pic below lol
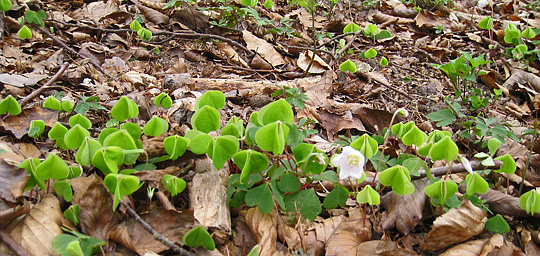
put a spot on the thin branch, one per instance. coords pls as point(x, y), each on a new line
point(70, 50)
point(45, 86)
point(12, 244)
point(155, 234)
point(346, 47)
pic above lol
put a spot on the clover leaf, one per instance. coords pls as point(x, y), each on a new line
point(368, 195)
point(221, 149)
point(509, 164)
point(366, 145)
point(10, 105)
point(348, 65)
point(121, 185)
point(175, 146)
point(398, 178)
point(215, 99)
point(250, 161)
point(155, 126)
point(441, 190)
point(163, 100)
point(107, 159)
point(476, 184)
point(124, 109)
point(272, 137)
point(75, 136)
point(87, 150)
point(36, 128)
point(173, 184)
point(261, 197)
point(351, 27)
point(445, 148)
point(53, 167)
point(52, 103)
point(279, 110)
point(206, 119)
point(337, 197)
point(198, 236)
point(530, 202)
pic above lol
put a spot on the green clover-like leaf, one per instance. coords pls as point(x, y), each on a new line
point(198, 236)
point(398, 178)
point(368, 195)
point(476, 184)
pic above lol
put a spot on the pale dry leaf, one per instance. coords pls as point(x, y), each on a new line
point(520, 76)
point(264, 229)
point(318, 66)
point(528, 240)
point(405, 211)
point(376, 247)
point(498, 246)
point(231, 53)
point(317, 89)
point(21, 80)
point(171, 224)
point(263, 48)
point(13, 180)
point(305, 18)
point(349, 234)
point(36, 230)
point(455, 226)
point(137, 78)
point(471, 248)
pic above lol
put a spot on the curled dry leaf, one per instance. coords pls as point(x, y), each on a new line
point(455, 226)
point(170, 223)
point(497, 245)
point(13, 180)
point(263, 48)
point(471, 248)
point(153, 15)
point(36, 230)
point(528, 239)
point(264, 229)
point(347, 235)
point(405, 211)
point(318, 66)
point(520, 76)
point(96, 214)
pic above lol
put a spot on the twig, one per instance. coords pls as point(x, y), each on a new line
point(45, 86)
point(70, 50)
point(347, 46)
point(154, 233)
point(12, 244)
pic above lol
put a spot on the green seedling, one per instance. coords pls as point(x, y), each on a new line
point(30, 165)
point(175, 146)
point(10, 105)
point(486, 23)
point(124, 109)
point(36, 128)
point(53, 167)
point(440, 191)
point(368, 195)
point(509, 164)
point(234, 127)
point(52, 103)
point(348, 65)
point(383, 62)
point(351, 28)
point(57, 133)
point(530, 202)
point(497, 224)
point(366, 145)
point(398, 178)
point(77, 244)
point(370, 31)
point(63, 188)
point(156, 126)
point(5, 5)
point(206, 119)
point(445, 148)
point(292, 95)
point(75, 136)
point(197, 237)
point(81, 120)
point(87, 150)
point(35, 17)
point(215, 99)
point(221, 149)
point(173, 184)
point(279, 110)
point(135, 25)
point(121, 185)
point(370, 53)
point(304, 201)
point(476, 184)
point(86, 103)
point(107, 159)
point(337, 197)
point(310, 159)
point(272, 137)
point(144, 34)
point(25, 33)
point(72, 214)
point(250, 161)
point(163, 100)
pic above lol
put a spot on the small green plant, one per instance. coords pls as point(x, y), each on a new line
point(292, 96)
point(136, 26)
point(5, 5)
point(76, 244)
point(10, 105)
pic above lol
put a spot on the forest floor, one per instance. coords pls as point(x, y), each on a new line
point(430, 56)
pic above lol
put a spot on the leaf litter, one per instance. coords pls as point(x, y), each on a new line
point(108, 61)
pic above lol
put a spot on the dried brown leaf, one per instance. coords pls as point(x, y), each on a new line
point(18, 125)
point(348, 234)
point(471, 248)
point(317, 67)
point(96, 213)
point(21, 80)
point(455, 226)
point(264, 229)
point(153, 15)
point(13, 180)
point(405, 211)
point(171, 224)
point(263, 48)
point(36, 230)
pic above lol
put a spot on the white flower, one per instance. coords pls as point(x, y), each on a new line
point(350, 163)
point(402, 112)
point(482, 3)
point(465, 162)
